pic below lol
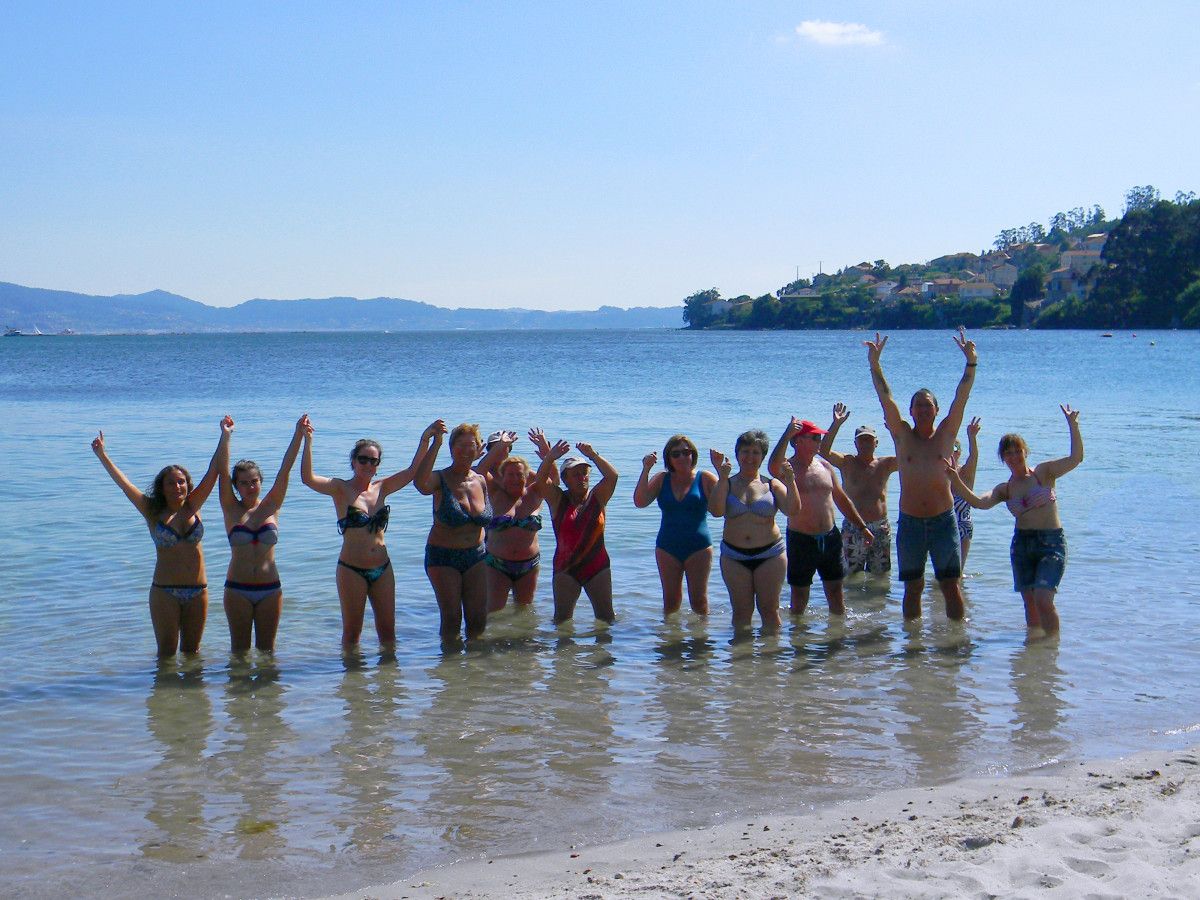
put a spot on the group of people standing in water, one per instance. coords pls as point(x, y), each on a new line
point(483, 544)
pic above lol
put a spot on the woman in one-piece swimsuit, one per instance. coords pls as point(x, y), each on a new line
point(683, 546)
point(253, 593)
point(364, 571)
point(171, 508)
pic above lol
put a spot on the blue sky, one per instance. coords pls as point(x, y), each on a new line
point(565, 155)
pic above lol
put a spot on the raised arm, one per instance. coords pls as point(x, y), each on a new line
point(840, 415)
point(274, 499)
point(998, 494)
point(720, 493)
point(225, 493)
point(497, 452)
point(318, 483)
point(603, 491)
point(779, 452)
point(892, 419)
point(787, 494)
point(546, 478)
point(958, 407)
point(1056, 468)
point(647, 488)
point(431, 442)
point(967, 470)
point(203, 488)
point(136, 497)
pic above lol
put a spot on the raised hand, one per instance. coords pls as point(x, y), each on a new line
point(303, 426)
point(227, 425)
point(973, 427)
point(951, 466)
point(559, 450)
point(435, 429)
point(538, 438)
point(793, 427)
point(841, 413)
point(720, 462)
point(649, 460)
point(966, 346)
point(98, 444)
point(1071, 414)
point(586, 449)
point(875, 348)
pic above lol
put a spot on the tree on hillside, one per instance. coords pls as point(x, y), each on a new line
point(1140, 197)
point(696, 313)
point(1026, 288)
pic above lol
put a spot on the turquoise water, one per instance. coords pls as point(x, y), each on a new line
point(313, 771)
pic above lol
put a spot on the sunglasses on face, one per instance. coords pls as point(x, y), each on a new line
point(680, 453)
point(367, 460)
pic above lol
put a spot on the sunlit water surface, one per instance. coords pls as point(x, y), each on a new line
point(313, 771)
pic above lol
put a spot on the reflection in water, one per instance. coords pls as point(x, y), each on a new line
point(1039, 712)
point(364, 754)
point(247, 761)
point(939, 720)
point(179, 718)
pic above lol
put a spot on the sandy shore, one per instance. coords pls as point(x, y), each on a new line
point(1124, 828)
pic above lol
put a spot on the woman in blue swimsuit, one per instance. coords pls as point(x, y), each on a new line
point(364, 571)
point(171, 508)
point(454, 553)
point(253, 594)
point(683, 546)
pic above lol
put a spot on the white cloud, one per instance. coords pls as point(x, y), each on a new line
point(839, 34)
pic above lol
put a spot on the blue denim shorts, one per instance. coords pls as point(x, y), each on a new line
point(934, 536)
point(1039, 556)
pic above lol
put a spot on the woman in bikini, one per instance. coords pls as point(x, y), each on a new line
point(253, 594)
point(1039, 550)
point(364, 571)
point(171, 508)
point(962, 509)
point(454, 552)
point(580, 561)
point(513, 555)
point(683, 546)
point(753, 557)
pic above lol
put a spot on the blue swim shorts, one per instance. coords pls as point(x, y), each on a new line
point(936, 537)
point(1039, 556)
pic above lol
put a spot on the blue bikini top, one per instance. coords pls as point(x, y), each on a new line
point(764, 506)
point(532, 522)
point(451, 512)
point(242, 536)
point(356, 518)
point(165, 536)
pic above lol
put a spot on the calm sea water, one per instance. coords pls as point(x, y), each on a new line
point(312, 771)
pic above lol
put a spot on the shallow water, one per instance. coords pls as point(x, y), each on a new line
point(314, 771)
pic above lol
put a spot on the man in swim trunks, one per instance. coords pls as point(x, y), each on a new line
point(814, 544)
point(865, 477)
point(926, 526)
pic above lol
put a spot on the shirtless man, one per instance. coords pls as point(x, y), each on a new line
point(926, 526)
point(814, 543)
point(865, 476)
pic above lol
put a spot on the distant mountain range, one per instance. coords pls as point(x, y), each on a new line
point(27, 308)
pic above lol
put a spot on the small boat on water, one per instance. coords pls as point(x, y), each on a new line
point(1106, 334)
point(9, 331)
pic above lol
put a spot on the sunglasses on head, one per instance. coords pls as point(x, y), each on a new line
point(367, 460)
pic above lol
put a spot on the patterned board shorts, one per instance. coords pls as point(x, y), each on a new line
point(860, 557)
